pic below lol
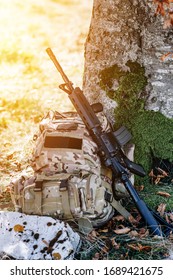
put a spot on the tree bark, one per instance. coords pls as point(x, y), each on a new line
point(122, 31)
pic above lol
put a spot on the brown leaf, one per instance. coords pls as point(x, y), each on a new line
point(157, 180)
point(18, 228)
point(103, 230)
point(119, 218)
point(105, 249)
point(132, 220)
point(165, 194)
point(151, 174)
point(134, 233)
point(139, 247)
point(171, 216)
point(163, 172)
point(115, 244)
point(144, 247)
point(143, 232)
point(161, 209)
point(122, 230)
point(133, 247)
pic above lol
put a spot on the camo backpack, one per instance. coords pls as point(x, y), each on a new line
point(69, 181)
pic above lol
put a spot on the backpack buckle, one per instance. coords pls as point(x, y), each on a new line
point(108, 196)
point(38, 186)
point(63, 185)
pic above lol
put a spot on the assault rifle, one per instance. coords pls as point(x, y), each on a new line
point(110, 151)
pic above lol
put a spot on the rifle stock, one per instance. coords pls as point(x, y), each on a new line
point(109, 149)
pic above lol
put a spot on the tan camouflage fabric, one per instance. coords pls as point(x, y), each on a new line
point(69, 181)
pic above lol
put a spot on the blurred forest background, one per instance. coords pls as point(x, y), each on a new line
point(29, 80)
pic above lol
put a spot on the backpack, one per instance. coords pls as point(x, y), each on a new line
point(69, 180)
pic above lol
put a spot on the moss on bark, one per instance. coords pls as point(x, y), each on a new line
point(152, 132)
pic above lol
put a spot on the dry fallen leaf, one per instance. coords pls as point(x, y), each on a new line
point(105, 249)
point(139, 247)
point(133, 247)
point(161, 209)
point(171, 216)
point(144, 247)
point(132, 220)
point(119, 218)
point(134, 233)
point(143, 232)
point(103, 230)
point(165, 194)
point(163, 172)
point(122, 230)
point(151, 174)
point(115, 244)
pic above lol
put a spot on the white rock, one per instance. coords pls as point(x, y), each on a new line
point(27, 237)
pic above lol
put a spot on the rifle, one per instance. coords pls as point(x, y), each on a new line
point(110, 151)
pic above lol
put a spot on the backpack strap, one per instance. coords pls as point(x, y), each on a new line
point(65, 198)
point(107, 178)
point(38, 197)
point(118, 206)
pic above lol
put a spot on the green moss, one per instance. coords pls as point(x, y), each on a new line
point(153, 136)
point(152, 132)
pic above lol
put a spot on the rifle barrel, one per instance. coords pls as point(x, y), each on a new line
point(59, 68)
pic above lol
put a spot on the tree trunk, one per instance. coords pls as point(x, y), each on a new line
point(128, 30)
point(125, 37)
